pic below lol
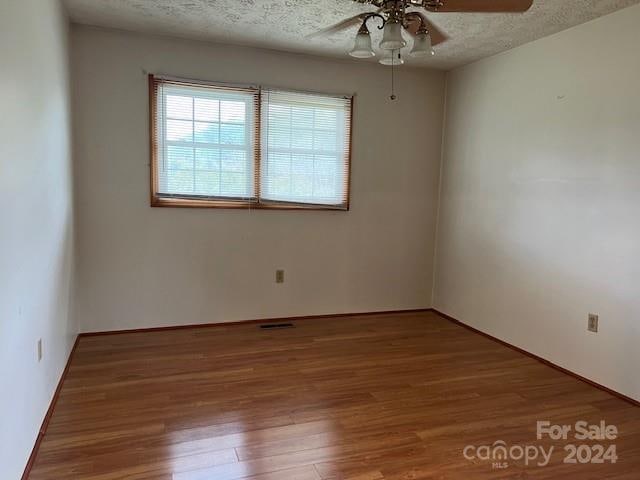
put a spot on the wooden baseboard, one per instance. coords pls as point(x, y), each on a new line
point(539, 359)
point(47, 417)
point(258, 320)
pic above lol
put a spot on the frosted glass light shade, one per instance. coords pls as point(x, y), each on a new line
point(422, 46)
point(392, 36)
point(362, 47)
point(394, 57)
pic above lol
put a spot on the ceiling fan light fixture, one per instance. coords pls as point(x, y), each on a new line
point(362, 47)
point(422, 45)
point(392, 36)
point(392, 58)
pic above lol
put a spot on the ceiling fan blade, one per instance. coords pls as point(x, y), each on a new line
point(484, 6)
point(338, 27)
point(437, 35)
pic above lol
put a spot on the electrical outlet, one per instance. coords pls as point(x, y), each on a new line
point(592, 324)
point(279, 276)
point(39, 349)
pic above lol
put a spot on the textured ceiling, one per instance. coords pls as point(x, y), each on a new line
point(283, 24)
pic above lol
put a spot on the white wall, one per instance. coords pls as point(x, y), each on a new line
point(36, 220)
point(539, 221)
point(140, 266)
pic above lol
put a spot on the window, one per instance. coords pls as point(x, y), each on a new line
point(203, 144)
point(221, 146)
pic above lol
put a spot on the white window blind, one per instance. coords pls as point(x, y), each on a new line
point(224, 146)
point(305, 148)
point(205, 141)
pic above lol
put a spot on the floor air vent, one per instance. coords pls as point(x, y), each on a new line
point(275, 326)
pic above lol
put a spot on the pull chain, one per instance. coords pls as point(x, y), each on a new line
point(393, 61)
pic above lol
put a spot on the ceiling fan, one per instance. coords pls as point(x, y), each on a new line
point(398, 15)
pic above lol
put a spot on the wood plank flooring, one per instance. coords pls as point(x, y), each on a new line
point(383, 397)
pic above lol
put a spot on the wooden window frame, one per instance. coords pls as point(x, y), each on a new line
point(159, 200)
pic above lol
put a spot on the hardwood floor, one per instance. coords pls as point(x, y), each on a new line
point(361, 398)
